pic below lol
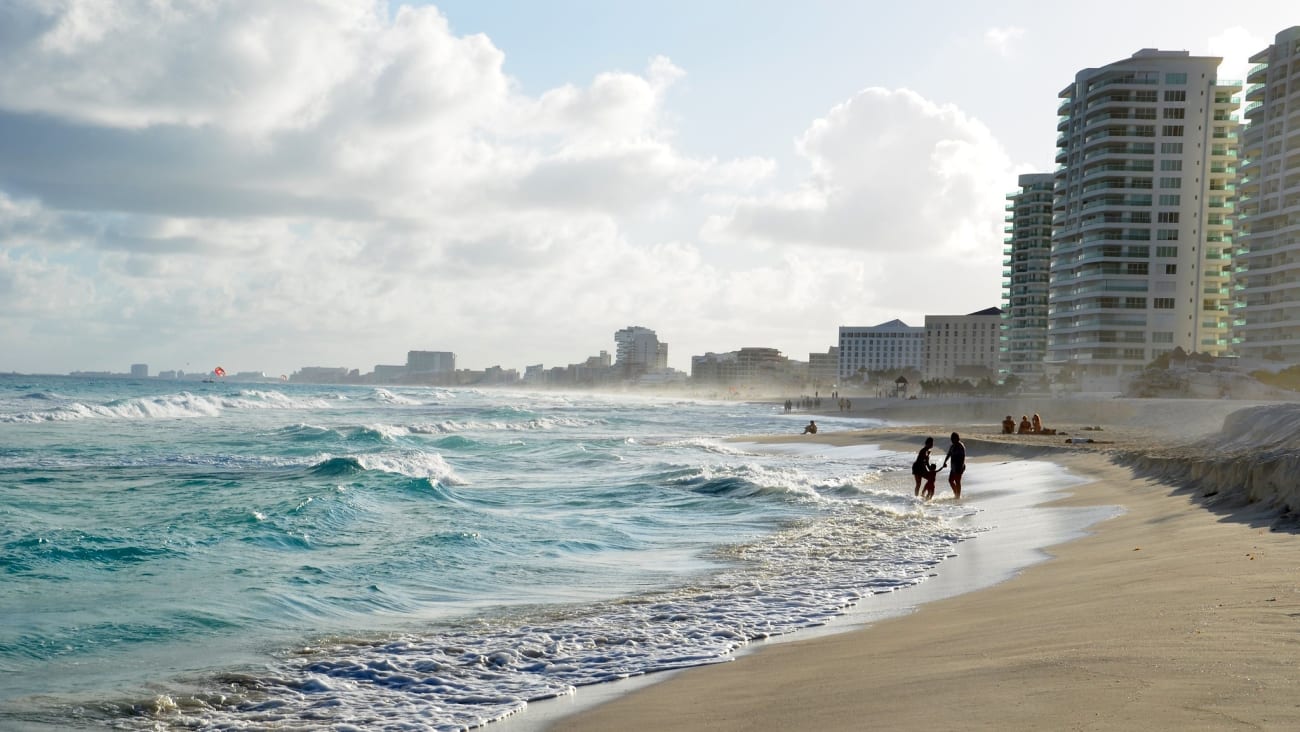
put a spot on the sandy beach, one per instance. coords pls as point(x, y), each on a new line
point(1183, 612)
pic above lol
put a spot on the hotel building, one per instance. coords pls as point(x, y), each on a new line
point(892, 346)
point(1268, 221)
point(1024, 284)
point(963, 346)
point(1142, 216)
point(638, 351)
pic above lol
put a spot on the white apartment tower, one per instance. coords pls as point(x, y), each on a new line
point(1142, 217)
point(962, 346)
point(1024, 271)
point(1268, 203)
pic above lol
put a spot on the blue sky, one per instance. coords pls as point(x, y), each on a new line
point(335, 182)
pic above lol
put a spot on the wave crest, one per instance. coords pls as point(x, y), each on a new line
point(167, 406)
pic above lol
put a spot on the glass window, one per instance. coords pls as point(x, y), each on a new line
point(1171, 148)
point(1172, 131)
point(1171, 165)
point(1173, 113)
point(1171, 200)
point(1164, 303)
point(1166, 251)
point(1171, 182)
point(1175, 78)
point(1171, 269)
point(1175, 95)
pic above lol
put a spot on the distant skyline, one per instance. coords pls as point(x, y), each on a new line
point(268, 186)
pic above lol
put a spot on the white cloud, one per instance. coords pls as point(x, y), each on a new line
point(912, 189)
point(890, 171)
point(1236, 45)
point(274, 185)
point(1003, 40)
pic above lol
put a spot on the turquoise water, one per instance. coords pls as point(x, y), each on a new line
point(245, 555)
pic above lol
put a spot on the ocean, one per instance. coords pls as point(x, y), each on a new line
point(244, 556)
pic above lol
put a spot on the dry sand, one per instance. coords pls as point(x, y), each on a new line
point(1169, 616)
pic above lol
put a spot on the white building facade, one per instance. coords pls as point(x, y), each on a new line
point(1141, 257)
point(1267, 323)
point(1024, 277)
point(963, 346)
point(892, 346)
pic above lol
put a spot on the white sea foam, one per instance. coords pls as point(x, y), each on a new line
point(388, 397)
point(798, 578)
point(412, 464)
point(167, 406)
point(538, 423)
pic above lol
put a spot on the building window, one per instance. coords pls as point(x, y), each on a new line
point(1175, 95)
point(1166, 251)
point(1173, 113)
point(1167, 217)
point(1171, 182)
point(1162, 337)
point(1172, 78)
point(1171, 165)
point(1171, 131)
point(1171, 269)
point(1163, 303)
point(1171, 199)
point(1166, 235)
point(1171, 148)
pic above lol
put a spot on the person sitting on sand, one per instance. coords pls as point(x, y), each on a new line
point(1025, 425)
point(1036, 423)
point(919, 468)
point(811, 428)
point(1008, 426)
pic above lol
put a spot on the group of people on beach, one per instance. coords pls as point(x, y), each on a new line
point(1028, 426)
point(922, 468)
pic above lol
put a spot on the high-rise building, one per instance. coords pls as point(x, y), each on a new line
point(638, 351)
point(140, 370)
point(1024, 284)
point(430, 362)
point(1142, 217)
point(1268, 206)
point(962, 346)
point(891, 346)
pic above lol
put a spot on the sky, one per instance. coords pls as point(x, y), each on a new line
point(267, 186)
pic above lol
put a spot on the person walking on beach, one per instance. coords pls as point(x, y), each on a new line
point(922, 464)
point(956, 454)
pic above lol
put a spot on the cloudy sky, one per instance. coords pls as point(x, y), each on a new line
point(270, 185)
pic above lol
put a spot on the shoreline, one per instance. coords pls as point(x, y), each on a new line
point(1166, 616)
point(1015, 528)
